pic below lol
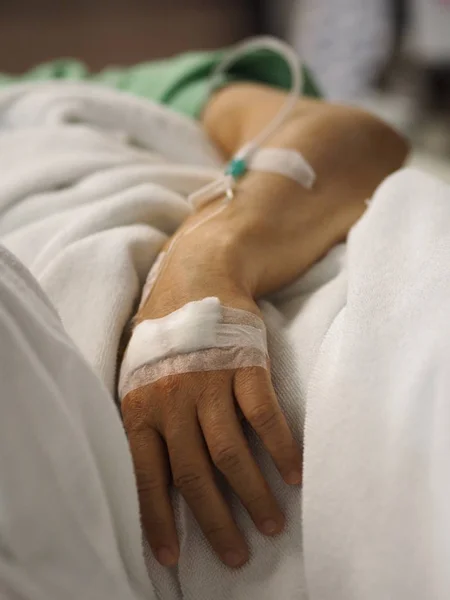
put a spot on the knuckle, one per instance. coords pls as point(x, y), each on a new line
point(155, 528)
point(138, 409)
point(154, 525)
point(216, 531)
point(168, 386)
point(246, 378)
point(226, 457)
point(257, 501)
point(191, 483)
point(148, 482)
point(133, 405)
point(212, 386)
point(263, 417)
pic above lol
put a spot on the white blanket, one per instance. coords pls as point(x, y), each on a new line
point(89, 193)
point(360, 341)
point(376, 496)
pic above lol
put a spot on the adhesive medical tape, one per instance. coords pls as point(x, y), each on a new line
point(200, 336)
point(282, 161)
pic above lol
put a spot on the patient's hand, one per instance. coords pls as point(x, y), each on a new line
point(182, 425)
point(191, 421)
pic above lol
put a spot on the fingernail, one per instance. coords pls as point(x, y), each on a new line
point(166, 557)
point(293, 478)
point(270, 527)
point(233, 559)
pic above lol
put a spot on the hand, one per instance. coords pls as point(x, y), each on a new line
point(182, 427)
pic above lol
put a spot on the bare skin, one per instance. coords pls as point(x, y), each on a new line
point(182, 427)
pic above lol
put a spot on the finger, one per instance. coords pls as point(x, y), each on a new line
point(152, 475)
point(231, 455)
point(256, 397)
point(194, 477)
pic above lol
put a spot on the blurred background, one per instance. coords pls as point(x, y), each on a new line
point(390, 56)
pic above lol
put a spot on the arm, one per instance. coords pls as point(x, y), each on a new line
point(274, 229)
point(270, 234)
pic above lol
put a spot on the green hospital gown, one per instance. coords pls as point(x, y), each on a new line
point(183, 82)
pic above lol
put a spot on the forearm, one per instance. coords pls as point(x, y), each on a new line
point(274, 229)
point(350, 151)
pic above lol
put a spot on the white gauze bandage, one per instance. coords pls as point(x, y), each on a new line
point(200, 336)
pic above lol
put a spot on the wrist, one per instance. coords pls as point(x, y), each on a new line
point(250, 249)
point(206, 263)
point(267, 245)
